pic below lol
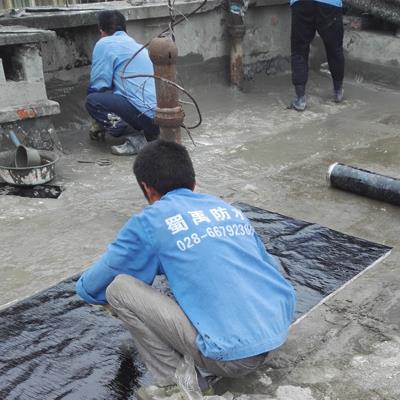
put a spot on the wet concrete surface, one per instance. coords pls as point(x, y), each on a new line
point(250, 148)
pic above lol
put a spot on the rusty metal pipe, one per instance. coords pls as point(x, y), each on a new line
point(237, 33)
point(169, 113)
point(237, 30)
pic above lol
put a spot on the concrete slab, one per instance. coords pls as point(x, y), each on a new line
point(11, 35)
point(250, 148)
point(373, 56)
point(36, 108)
point(86, 14)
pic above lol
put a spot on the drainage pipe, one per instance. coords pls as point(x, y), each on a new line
point(169, 113)
point(365, 183)
point(236, 30)
point(386, 10)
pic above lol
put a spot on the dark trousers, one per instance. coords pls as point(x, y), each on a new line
point(309, 17)
point(106, 107)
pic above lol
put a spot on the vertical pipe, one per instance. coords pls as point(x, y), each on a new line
point(169, 114)
point(237, 30)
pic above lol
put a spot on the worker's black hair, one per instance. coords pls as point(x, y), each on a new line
point(164, 166)
point(111, 21)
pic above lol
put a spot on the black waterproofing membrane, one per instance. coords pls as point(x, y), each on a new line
point(365, 183)
point(53, 346)
point(37, 192)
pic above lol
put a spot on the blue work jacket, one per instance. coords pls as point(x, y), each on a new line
point(110, 56)
point(218, 269)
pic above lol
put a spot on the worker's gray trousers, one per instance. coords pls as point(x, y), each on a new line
point(163, 334)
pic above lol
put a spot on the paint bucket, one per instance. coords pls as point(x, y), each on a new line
point(365, 183)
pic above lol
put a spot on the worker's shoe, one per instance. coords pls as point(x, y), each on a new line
point(338, 95)
point(131, 147)
point(299, 103)
point(153, 392)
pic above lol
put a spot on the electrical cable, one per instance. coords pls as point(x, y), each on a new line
point(172, 83)
point(172, 23)
point(170, 26)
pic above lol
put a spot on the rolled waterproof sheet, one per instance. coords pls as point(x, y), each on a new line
point(365, 183)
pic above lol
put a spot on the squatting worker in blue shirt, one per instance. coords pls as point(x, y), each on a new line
point(326, 18)
point(121, 107)
point(232, 304)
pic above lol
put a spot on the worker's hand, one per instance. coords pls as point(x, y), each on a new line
point(97, 131)
point(106, 308)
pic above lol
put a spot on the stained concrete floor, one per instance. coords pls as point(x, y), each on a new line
point(251, 149)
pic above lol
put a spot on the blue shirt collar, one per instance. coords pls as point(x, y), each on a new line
point(119, 33)
point(177, 191)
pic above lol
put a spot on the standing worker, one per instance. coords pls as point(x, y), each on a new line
point(232, 304)
point(326, 18)
point(121, 107)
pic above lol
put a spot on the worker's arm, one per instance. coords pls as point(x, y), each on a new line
point(131, 253)
point(102, 72)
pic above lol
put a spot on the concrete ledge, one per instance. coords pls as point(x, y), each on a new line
point(86, 14)
point(374, 56)
point(372, 47)
point(35, 110)
point(10, 35)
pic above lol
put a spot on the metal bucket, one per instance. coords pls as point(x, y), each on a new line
point(28, 176)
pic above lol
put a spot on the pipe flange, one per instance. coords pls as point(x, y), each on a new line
point(169, 117)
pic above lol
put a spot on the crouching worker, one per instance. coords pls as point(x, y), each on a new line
point(232, 305)
point(121, 107)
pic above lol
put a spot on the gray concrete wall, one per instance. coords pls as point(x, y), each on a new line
point(22, 85)
point(202, 39)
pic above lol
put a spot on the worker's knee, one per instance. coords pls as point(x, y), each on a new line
point(116, 287)
point(90, 101)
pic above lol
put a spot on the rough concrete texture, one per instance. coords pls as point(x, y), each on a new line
point(250, 148)
point(11, 35)
point(368, 47)
point(33, 109)
point(388, 10)
point(22, 86)
point(2, 75)
point(203, 36)
point(28, 59)
point(371, 56)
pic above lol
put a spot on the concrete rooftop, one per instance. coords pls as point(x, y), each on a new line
point(249, 148)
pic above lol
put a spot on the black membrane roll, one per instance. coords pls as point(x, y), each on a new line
point(365, 183)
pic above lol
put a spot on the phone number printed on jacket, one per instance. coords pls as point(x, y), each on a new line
point(178, 223)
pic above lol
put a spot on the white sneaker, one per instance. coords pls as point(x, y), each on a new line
point(125, 149)
point(138, 141)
